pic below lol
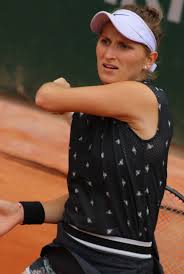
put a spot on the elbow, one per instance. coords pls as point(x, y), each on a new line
point(42, 96)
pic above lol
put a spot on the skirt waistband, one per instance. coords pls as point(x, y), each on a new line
point(110, 244)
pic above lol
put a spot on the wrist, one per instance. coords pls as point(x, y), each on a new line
point(33, 212)
point(21, 213)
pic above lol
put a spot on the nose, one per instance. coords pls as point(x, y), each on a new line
point(110, 52)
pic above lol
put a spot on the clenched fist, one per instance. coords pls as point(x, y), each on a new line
point(61, 81)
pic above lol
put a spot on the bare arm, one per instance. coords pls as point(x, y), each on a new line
point(12, 213)
point(127, 100)
point(54, 209)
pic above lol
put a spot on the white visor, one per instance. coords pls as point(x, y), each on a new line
point(129, 24)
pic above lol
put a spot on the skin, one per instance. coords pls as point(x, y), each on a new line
point(120, 59)
point(121, 64)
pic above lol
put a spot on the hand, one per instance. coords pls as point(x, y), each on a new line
point(62, 82)
point(11, 214)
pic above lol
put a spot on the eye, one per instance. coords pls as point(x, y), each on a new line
point(122, 45)
point(104, 41)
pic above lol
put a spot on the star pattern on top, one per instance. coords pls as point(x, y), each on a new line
point(89, 147)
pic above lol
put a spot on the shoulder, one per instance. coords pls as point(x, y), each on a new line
point(141, 89)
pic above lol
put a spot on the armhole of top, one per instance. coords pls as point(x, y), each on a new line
point(154, 90)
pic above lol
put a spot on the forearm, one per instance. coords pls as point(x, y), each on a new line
point(54, 209)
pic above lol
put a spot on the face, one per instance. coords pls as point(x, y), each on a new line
point(118, 58)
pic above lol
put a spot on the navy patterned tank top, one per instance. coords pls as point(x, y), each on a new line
point(116, 180)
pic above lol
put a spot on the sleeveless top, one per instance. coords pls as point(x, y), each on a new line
point(116, 180)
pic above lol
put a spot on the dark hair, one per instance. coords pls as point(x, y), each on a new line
point(151, 16)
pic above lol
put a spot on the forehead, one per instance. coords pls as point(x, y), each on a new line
point(110, 31)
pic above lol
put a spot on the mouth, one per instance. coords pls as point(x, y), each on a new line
point(109, 66)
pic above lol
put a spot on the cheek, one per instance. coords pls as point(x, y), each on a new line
point(99, 51)
point(140, 56)
point(132, 59)
point(97, 57)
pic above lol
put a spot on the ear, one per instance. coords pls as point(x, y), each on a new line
point(151, 59)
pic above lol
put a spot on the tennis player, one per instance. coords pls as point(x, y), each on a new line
point(120, 136)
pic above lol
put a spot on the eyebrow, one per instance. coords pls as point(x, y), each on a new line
point(123, 39)
point(120, 40)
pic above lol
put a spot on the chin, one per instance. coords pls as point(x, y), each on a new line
point(110, 79)
point(107, 80)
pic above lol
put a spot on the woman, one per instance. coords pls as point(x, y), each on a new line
point(120, 136)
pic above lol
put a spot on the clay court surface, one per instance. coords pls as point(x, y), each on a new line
point(33, 166)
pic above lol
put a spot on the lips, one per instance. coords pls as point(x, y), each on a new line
point(109, 66)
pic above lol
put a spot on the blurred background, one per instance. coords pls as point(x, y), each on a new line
point(43, 40)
